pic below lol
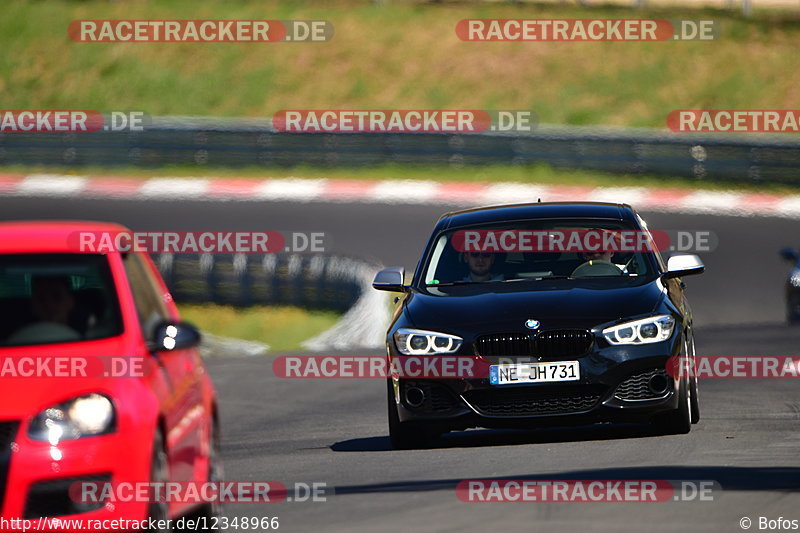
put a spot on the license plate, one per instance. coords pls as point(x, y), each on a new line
point(534, 373)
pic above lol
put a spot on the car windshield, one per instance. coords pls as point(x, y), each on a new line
point(540, 250)
point(52, 298)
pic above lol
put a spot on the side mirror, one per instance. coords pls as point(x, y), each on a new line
point(390, 279)
point(790, 254)
point(683, 265)
point(169, 336)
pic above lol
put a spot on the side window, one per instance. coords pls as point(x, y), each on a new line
point(149, 307)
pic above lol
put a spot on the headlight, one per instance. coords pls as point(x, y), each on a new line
point(92, 414)
point(420, 342)
point(794, 278)
point(644, 331)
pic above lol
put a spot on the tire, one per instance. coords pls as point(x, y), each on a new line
point(216, 473)
point(678, 421)
point(792, 317)
point(406, 435)
point(159, 472)
point(694, 393)
point(694, 400)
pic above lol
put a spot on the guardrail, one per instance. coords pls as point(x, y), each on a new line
point(215, 142)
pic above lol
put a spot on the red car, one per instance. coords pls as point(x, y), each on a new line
point(64, 421)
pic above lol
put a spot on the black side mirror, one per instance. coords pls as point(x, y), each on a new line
point(169, 336)
point(790, 254)
point(390, 279)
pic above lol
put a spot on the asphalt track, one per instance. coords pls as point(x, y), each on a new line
point(334, 431)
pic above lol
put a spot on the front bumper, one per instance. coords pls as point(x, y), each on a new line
point(615, 386)
point(39, 476)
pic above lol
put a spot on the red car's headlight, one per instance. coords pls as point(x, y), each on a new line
point(92, 414)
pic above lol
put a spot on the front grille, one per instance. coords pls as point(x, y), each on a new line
point(437, 397)
point(637, 386)
point(52, 497)
point(531, 401)
point(563, 343)
point(504, 345)
point(8, 432)
point(550, 344)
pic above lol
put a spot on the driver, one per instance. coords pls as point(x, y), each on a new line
point(52, 299)
point(598, 262)
point(480, 267)
point(597, 255)
point(52, 304)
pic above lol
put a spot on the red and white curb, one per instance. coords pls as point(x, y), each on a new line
point(395, 192)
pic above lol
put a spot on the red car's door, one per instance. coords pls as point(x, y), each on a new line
point(183, 407)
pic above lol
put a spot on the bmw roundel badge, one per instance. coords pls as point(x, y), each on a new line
point(532, 324)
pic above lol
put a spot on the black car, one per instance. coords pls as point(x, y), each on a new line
point(569, 338)
point(792, 286)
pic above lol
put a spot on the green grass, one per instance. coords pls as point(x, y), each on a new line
point(399, 55)
point(540, 174)
point(282, 328)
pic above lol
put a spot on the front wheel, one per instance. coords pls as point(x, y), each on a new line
point(216, 474)
point(793, 309)
point(694, 393)
point(678, 421)
point(405, 435)
point(694, 400)
point(158, 511)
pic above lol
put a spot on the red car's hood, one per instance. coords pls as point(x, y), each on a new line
point(74, 369)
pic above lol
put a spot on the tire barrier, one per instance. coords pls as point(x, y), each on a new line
point(244, 280)
point(334, 283)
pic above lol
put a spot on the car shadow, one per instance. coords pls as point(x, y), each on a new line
point(477, 438)
point(726, 478)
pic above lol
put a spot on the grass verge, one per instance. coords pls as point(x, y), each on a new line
point(396, 56)
point(283, 328)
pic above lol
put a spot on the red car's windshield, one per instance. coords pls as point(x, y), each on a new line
point(53, 298)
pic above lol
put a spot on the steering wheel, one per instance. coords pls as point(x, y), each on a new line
point(596, 268)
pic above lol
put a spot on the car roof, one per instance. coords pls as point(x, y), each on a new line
point(542, 210)
point(40, 236)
